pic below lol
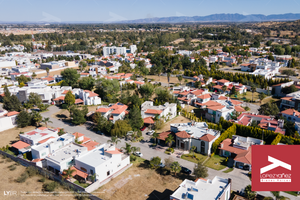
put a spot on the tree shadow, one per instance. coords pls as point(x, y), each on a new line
point(155, 195)
point(61, 116)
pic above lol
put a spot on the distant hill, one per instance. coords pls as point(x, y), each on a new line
point(218, 18)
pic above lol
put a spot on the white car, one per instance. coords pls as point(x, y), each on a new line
point(139, 154)
point(150, 132)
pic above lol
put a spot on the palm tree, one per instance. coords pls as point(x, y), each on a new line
point(46, 120)
point(192, 150)
point(253, 89)
point(127, 148)
point(170, 139)
point(135, 149)
point(114, 140)
point(33, 75)
point(180, 78)
point(47, 70)
point(175, 167)
point(67, 173)
point(93, 177)
point(168, 75)
point(155, 136)
point(277, 195)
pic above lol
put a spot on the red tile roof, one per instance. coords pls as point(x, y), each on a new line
point(66, 91)
point(227, 146)
point(42, 128)
point(291, 112)
point(45, 140)
point(11, 113)
point(85, 139)
point(234, 102)
point(163, 135)
point(239, 109)
point(207, 137)
point(78, 101)
point(205, 96)
point(215, 108)
point(91, 94)
point(103, 110)
point(37, 160)
point(223, 81)
point(76, 134)
point(183, 134)
point(61, 98)
point(20, 145)
point(77, 172)
point(244, 157)
point(90, 145)
point(118, 108)
point(148, 120)
point(114, 152)
point(152, 111)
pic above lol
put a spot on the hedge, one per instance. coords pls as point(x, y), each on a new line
point(226, 134)
point(277, 139)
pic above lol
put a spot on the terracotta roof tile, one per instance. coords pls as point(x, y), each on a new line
point(152, 111)
point(207, 137)
point(20, 145)
point(183, 134)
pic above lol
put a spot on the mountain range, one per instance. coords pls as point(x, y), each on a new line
point(219, 18)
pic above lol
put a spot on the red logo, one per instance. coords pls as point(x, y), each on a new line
point(275, 168)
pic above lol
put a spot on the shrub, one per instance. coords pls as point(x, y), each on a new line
point(43, 179)
point(64, 106)
point(212, 155)
point(277, 139)
point(22, 178)
point(50, 187)
point(12, 167)
point(132, 158)
point(32, 171)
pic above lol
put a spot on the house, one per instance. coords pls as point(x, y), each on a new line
point(50, 145)
point(276, 89)
point(194, 134)
point(239, 88)
point(291, 115)
point(264, 122)
point(113, 112)
point(239, 148)
point(37, 136)
point(104, 161)
point(203, 189)
point(7, 120)
point(89, 98)
point(166, 111)
point(64, 157)
point(291, 100)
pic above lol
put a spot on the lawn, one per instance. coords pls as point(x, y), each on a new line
point(292, 193)
point(178, 119)
point(189, 157)
point(11, 170)
point(228, 170)
point(140, 182)
point(216, 162)
point(249, 96)
point(164, 79)
point(84, 185)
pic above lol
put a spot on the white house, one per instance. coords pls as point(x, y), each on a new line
point(168, 111)
point(7, 119)
point(194, 134)
point(113, 112)
point(89, 97)
point(202, 189)
point(35, 137)
point(104, 161)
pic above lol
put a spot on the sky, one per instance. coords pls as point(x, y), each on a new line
point(118, 10)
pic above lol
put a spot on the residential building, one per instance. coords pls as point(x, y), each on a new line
point(264, 122)
point(166, 111)
point(239, 88)
point(276, 89)
point(37, 136)
point(291, 115)
point(113, 50)
point(239, 148)
point(104, 161)
point(194, 134)
point(203, 189)
point(7, 119)
point(113, 112)
point(291, 100)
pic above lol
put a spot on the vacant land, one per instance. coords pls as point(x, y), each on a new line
point(178, 119)
point(52, 73)
point(177, 41)
point(139, 182)
point(216, 162)
point(164, 79)
point(30, 188)
point(12, 135)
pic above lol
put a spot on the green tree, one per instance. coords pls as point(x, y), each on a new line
point(288, 72)
point(135, 149)
point(146, 91)
point(47, 70)
point(289, 89)
point(233, 90)
point(82, 65)
point(261, 96)
point(170, 140)
point(163, 95)
point(277, 195)
point(224, 88)
point(135, 118)
point(70, 76)
point(253, 89)
point(36, 117)
point(120, 129)
point(78, 116)
point(114, 140)
point(23, 119)
point(168, 75)
point(43, 107)
point(23, 79)
point(175, 167)
point(180, 78)
point(108, 89)
point(200, 171)
point(11, 102)
point(33, 76)
point(46, 120)
point(127, 148)
point(87, 83)
point(269, 109)
point(34, 99)
point(69, 98)
point(155, 162)
point(249, 194)
point(155, 136)
point(68, 173)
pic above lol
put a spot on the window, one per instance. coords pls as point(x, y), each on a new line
point(43, 154)
point(108, 173)
point(91, 171)
point(83, 169)
point(203, 147)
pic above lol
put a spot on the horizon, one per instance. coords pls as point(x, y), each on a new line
point(117, 10)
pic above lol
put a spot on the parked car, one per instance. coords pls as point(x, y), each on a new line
point(186, 170)
point(139, 154)
point(150, 132)
point(143, 128)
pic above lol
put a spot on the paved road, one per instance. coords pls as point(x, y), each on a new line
point(239, 177)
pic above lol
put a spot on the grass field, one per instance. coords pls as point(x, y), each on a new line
point(12, 135)
point(25, 191)
point(216, 162)
point(198, 155)
point(140, 182)
point(228, 170)
point(164, 79)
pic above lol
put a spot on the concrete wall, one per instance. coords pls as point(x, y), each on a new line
point(7, 123)
point(7, 63)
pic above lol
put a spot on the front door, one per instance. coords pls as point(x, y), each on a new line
point(182, 145)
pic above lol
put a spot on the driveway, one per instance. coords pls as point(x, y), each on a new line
point(239, 178)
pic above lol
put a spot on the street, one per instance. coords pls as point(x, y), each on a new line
point(239, 177)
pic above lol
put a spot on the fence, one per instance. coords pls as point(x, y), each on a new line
point(50, 175)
